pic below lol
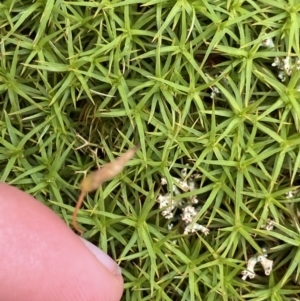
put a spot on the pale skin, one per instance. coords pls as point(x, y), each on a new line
point(95, 179)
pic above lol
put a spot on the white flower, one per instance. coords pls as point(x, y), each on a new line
point(196, 227)
point(194, 199)
point(163, 181)
point(214, 92)
point(166, 203)
point(277, 62)
point(175, 189)
point(170, 226)
point(269, 225)
point(265, 250)
point(183, 172)
point(189, 212)
point(188, 216)
point(182, 184)
point(201, 228)
point(291, 194)
point(268, 43)
point(281, 76)
point(287, 65)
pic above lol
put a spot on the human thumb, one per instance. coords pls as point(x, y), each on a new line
point(42, 259)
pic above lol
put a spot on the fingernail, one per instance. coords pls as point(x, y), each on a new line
point(107, 261)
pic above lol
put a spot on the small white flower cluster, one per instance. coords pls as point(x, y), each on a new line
point(188, 215)
point(196, 227)
point(214, 92)
point(286, 66)
point(262, 259)
point(268, 43)
point(166, 202)
point(269, 225)
point(291, 194)
point(170, 226)
point(188, 211)
point(184, 185)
